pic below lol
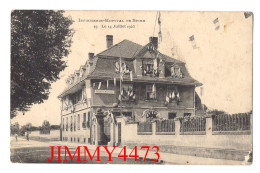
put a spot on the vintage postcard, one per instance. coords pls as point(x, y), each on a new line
point(131, 87)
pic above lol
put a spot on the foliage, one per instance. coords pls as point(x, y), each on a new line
point(216, 112)
point(39, 41)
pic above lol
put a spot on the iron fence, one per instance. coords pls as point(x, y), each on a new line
point(165, 127)
point(193, 125)
point(233, 122)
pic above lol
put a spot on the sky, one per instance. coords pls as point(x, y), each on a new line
point(222, 60)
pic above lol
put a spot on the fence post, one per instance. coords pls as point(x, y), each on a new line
point(177, 126)
point(112, 134)
point(209, 124)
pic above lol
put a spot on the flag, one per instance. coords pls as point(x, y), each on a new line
point(114, 81)
point(172, 95)
point(117, 66)
point(178, 96)
point(191, 38)
point(159, 18)
point(99, 85)
point(131, 75)
point(153, 89)
point(107, 83)
point(215, 21)
point(121, 77)
point(155, 63)
point(160, 29)
point(167, 99)
point(216, 24)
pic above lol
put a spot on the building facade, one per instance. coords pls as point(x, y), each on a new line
point(126, 80)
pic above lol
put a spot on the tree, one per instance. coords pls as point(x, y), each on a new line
point(25, 128)
point(46, 124)
point(15, 128)
point(39, 41)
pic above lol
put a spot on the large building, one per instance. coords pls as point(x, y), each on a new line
point(127, 79)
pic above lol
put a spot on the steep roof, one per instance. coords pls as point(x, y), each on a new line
point(128, 49)
point(104, 65)
point(105, 69)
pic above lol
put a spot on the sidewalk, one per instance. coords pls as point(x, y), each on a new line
point(165, 158)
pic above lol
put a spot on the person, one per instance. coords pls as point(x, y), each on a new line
point(16, 137)
point(27, 136)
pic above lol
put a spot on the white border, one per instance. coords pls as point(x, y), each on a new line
point(181, 5)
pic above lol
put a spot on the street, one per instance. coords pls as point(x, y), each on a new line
point(24, 151)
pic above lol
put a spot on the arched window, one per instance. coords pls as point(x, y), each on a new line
point(150, 114)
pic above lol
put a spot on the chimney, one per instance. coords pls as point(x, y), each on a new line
point(90, 56)
point(154, 41)
point(109, 39)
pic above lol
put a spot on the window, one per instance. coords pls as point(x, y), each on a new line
point(171, 115)
point(88, 123)
point(172, 94)
point(76, 97)
point(74, 122)
point(67, 123)
point(187, 114)
point(84, 123)
point(124, 68)
point(151, 114)
point(127, 92)
point(84, 117)
point(151, 92)
point(176, 72)
point(148, 68)
point(71, 123)
point(78, 121)
point(127, 114)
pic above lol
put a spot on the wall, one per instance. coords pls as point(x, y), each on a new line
point(239, 142)
point(54, 135)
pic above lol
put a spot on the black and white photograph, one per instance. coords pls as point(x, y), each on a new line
point(131, 87)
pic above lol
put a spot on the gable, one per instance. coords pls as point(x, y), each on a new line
point(124, 49)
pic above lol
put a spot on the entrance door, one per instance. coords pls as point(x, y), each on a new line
point(119, 133)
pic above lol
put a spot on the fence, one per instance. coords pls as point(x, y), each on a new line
point(231, 123)
point(219, 124)
point(144, 128)
point(165, 127)
point(196, 125)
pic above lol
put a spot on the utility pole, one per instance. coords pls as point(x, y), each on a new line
point(120, 79)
